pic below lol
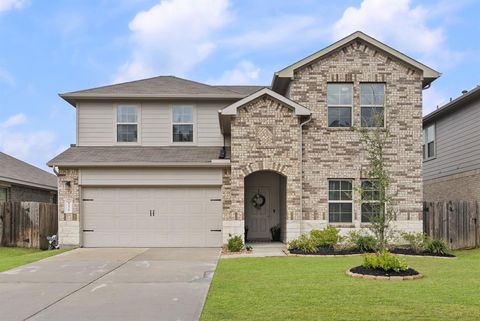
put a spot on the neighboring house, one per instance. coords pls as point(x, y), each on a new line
point(170, 162)
point(451, 166)
point(23, 182)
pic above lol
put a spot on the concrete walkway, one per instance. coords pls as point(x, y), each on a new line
point(110, 284)
point(260, 250)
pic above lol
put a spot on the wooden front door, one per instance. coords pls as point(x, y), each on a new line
point(257, 218)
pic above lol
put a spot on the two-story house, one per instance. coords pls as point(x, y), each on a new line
point(171, 162)
point(451, 150)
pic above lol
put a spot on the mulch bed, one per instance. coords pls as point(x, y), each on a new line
point(328, 251)
point(409, 251)
point(397, 250)
point(379, 272)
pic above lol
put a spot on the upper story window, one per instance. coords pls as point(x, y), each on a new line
point(182, 124)
point(339, 101)
point(340, 201)
point(127, 124)
point(429, 142)
point(372, 103)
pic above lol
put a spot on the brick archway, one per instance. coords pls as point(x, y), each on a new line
point(264, 166)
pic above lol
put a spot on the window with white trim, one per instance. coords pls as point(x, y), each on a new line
point(340, 201)
point(339, 103)
point(372, 104)
point(429, 142)
point(182, 124)
point(371, 205)
point(127, 124)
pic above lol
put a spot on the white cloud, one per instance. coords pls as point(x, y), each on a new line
point(6, 5)
point(244, 73)
point(15, 120)
point(279, 31)
point(172, 37)
point(35, 147)
point(399, 24)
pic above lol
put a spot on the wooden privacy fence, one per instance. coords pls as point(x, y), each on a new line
point(455, 222)
point(27, 224)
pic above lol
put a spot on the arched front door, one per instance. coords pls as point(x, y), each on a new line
point(264, 206)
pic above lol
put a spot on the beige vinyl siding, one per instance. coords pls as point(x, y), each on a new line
point(156, 124)
point(457, 141)
point(150, 176)
point(208, 125)
point(96, 124)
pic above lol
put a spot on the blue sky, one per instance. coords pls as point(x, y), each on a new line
point(48, 47)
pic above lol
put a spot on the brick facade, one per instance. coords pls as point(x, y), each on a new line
point(462, 186)
point(338, 152)
point(265, 135)
point(68, 223)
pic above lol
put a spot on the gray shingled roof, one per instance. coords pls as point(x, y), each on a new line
point(161, 87)
point(15, 171)
point(453, 105)
point(136, 156)
point(244, 90)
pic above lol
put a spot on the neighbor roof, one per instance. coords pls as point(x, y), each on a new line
point(299, 109)
point(453, 105)
point(161, 87)
point(15, 171)
point(138, 156)
point(283, 76)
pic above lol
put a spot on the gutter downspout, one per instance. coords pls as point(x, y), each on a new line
point(301, 171)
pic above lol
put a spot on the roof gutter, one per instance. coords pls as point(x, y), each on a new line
point(214, 163)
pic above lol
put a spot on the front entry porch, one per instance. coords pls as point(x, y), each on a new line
point(265, 207)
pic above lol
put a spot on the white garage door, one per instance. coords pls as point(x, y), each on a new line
point(152, 217)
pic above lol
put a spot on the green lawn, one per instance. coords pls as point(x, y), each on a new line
point(11, 257)
point(306, 288)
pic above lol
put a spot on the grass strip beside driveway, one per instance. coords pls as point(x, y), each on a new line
point(316, 288)
point(11, 257)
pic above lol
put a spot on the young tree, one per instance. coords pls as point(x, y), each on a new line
point(375, 140)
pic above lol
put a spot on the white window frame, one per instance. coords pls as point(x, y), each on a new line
point(138, 112)
point(374, 105)
point(193, 123)
point(362, 201)
point(329, 201)
point(339, 105)
point(426, 141)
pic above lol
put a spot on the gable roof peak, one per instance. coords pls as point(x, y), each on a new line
point(283, 77)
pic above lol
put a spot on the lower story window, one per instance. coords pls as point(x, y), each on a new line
point(371, 206)
point(340, 201)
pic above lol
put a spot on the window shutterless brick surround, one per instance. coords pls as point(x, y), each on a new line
point(266, 135)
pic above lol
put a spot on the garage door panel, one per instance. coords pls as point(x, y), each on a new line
point(183, 216)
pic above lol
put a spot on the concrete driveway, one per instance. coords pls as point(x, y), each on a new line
point(110, 284)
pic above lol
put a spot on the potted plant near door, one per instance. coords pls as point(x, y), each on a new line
point(276, 232)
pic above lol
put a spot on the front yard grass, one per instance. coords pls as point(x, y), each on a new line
point(316, 288)
point(11, 257)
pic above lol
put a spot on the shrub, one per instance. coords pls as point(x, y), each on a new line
point(235, 243)
point(327, 237)
point(384, 261)
point(416, 241)
point(364, 243)
point(437, 247)
point(304, 244)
